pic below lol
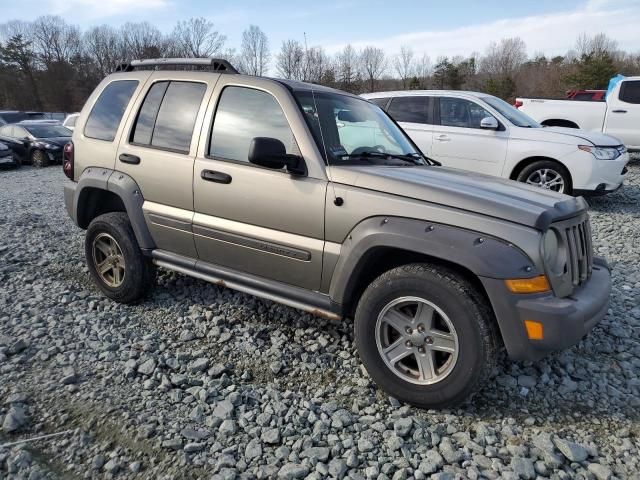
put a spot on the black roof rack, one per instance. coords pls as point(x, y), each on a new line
point(205, 64)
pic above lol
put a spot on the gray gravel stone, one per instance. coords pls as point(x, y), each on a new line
point(573, 451)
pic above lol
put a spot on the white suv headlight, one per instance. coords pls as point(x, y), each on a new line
point(602, 153)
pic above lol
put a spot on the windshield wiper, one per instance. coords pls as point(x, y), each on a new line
point(415, 160)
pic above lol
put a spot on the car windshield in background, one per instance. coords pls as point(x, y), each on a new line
point(48, 131)
point(511, 113)
point(350, 130)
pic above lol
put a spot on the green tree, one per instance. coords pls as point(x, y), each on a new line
point(593, 71)
point(18, 56)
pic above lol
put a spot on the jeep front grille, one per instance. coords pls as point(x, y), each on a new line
point(580, 251)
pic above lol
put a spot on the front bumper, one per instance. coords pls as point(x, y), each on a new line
point(590, 175)
point(565, 320)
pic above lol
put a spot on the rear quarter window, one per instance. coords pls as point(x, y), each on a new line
point(106, 114)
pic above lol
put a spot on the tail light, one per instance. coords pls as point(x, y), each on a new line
point(518, 104)
point(67, 160)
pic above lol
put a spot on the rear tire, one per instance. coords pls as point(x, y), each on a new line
point(547, 174)
point(452, 339)
point(39, 158)
point(115, 261)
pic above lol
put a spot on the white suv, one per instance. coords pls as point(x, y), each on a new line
point(481, 133)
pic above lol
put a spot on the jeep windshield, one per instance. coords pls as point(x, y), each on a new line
point(351, 131)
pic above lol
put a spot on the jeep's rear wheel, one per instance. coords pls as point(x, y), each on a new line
point(115, 261)
point(425, 335)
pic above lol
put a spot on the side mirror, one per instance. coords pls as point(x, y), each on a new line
point(271, 153)
point(489, 123)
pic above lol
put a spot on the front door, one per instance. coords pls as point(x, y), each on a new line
point(159, 153)
point(623, 114)
point(459, 142)
point(258, 220)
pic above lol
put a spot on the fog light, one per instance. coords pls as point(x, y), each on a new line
point(537, 284)
point(534, 330)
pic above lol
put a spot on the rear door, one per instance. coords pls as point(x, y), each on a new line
point(459, 142)
point(158, 151)
point(623, 113)
point(415, 115)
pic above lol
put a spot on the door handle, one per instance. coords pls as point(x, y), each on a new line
point(128, 158)
point(213, 176)
point(443, 138)
point(618, 111)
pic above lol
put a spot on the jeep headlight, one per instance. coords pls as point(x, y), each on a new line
point(554, 252)
point(601, 153)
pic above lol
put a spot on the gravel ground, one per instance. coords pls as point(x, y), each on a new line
point(200, 381)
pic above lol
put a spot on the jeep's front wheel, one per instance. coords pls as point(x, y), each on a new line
point(425, 335)
point(115, 261)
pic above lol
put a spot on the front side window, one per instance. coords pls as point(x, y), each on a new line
point(630, 91)
point(106, 115)
point(351, 130)
point(410, 109)
point(168, 115)
point(243, 114)
point(511, 113)
point(458, 112)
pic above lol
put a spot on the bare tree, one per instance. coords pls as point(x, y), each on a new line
point(347, 64)
point(374, 64)
point(103, 45)
point(504, 58)
point(254, 53)
point(290, 60)
point(403, 64)
point(315, 65)
point(143, 40)
point(423, 69)
point(55, 40)
point(196, 37)
point(598, 44)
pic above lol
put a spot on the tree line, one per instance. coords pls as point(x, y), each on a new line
point(51, 65)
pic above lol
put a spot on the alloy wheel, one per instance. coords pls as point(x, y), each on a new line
point(546, 178)
point(108, 260)
point(416, 340)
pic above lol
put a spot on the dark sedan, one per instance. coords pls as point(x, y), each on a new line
point(7, 158)
point(40, 144)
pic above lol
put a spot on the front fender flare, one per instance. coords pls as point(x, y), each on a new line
point(483, 255)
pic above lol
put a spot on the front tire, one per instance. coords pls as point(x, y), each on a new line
point(547, 174)
point(39, 158)
point(115, 261)
point(425, 335)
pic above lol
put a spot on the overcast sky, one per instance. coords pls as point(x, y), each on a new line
point(457, 27)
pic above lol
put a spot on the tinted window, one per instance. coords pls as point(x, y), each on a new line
point(177, 116)
point(630, 91)
point(48, 131)
point(381, 102)
point(409, 109)
point(105, 117)
point(245, 113)
point(458, 112)
point(148, 113)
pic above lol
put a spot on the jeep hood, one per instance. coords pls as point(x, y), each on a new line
point(450, 187)
point(571, 136)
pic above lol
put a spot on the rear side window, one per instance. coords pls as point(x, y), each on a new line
point(410, 109)
point(168, 115)
point(630, 91)
point(243, 114)
point(105, 117)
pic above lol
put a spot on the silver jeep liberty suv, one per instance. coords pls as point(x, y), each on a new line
point(315, 198)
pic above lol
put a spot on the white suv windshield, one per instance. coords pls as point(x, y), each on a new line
point(511, 113)
point(349, 130)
